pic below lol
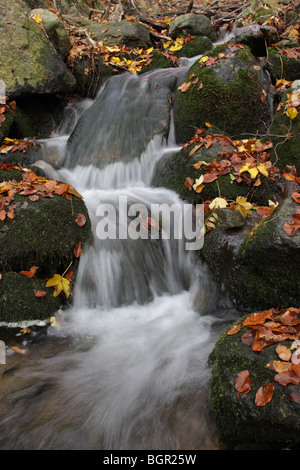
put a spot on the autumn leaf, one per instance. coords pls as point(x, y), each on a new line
point(296, 197)
point(264, 395)
point(40, 293)
point(218, 203)
point(243, 382)
point(77, 250)
point(198, 186)
point(31, 273)
point(234, 329)
point(292, 112)
point(80, 220)
point(291, 229)
point(60, 283)
point(243, 206)
point(283, 352)
point(189, 183)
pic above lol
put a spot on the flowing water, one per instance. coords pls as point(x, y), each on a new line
point(128, 368)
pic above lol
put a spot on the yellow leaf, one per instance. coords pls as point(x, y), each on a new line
point(243, 206)
point(148, 51)
point(291, 112)
point(204, 59)
point(262, 169)
point(198, 182)
point(253, 171)
point(60, 283)
point(218, 203)
point(37, 18)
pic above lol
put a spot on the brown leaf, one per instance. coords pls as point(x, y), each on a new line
point(234, 329)
point(243, 382)
point(294, 397)
point(189, 183)
point(296, 197)
point(295, 361)
point(285, 378)
point(77, 250)
point(283, 352)
point(209, 178)
point(258, 318)
point(264, 395)
point(80, 220)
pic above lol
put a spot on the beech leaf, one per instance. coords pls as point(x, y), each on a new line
point(264, 395)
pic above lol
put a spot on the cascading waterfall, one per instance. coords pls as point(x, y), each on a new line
point(128, 368)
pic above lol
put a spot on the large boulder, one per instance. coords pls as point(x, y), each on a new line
point(39, 228)
point(29, 63)
point(55, 30)
point(192, 24)
point(129, 33)
point(267, 265)
point(226, 88)
point(285, 132)
point(246, 418)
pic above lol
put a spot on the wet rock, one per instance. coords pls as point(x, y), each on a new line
point(41, 69)
point(239, 421)
point(43, 233)
point(55, 30)
point(229, 95)
point(192, 24)
point(287, 146)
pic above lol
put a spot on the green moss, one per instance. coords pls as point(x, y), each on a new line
point(199, 45)
point(238, 419)
point(43, 234)
point(159, 61)
point(228, 99)
point(18, 302)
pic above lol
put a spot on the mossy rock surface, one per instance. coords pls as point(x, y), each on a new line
point(287, 147)
point(229, 97)
point(43, 233)
point(198, 45)
point(172, 170)
point(18, 302)
point(268, 263)
point(282, 66)
point(239, 421)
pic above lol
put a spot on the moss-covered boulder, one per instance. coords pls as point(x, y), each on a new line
point(42, 231)
point(172, 170)
point(240, 422)
point(226, 88)
point(285, 133)
point(197, 46)
point(29, 63)
point(55, 30)
point(128, 33)
point(267, 269)
point(282, 63)
point(19, 302)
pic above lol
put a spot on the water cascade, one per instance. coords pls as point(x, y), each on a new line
point(128, 368)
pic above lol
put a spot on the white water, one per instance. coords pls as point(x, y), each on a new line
point(128, 368)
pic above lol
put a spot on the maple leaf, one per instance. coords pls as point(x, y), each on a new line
point(243, 206)
point(60, 283)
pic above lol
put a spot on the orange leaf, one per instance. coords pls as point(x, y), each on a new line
point(258, 318)
point(296, 197)
point(2, 214)
point(209, 178)
point(80, 220)
point(31, 273)
point(234, 329)
point(285, 378)
point(264, 395)
point(289, 177)
point(77, 250)
point(189, 183)
point(283, 352)
point(40, 293)
point(243, 382)
point(295, 361)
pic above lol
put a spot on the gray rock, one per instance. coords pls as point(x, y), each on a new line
point(55, 30)
point(192, 24)
point(29, 62)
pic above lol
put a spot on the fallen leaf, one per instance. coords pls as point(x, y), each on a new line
point(296, 197)
point(264, 395)
point(60, 283)
point(234, 329)
point(80, 220)
point(243, 206)
point(77, 250)
point(31, 273)
point(218, 203)
point(294, 397)
point(295, 362)
point(283, 352)
point(19, 350)
point(243, 382)
point(40, 293)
